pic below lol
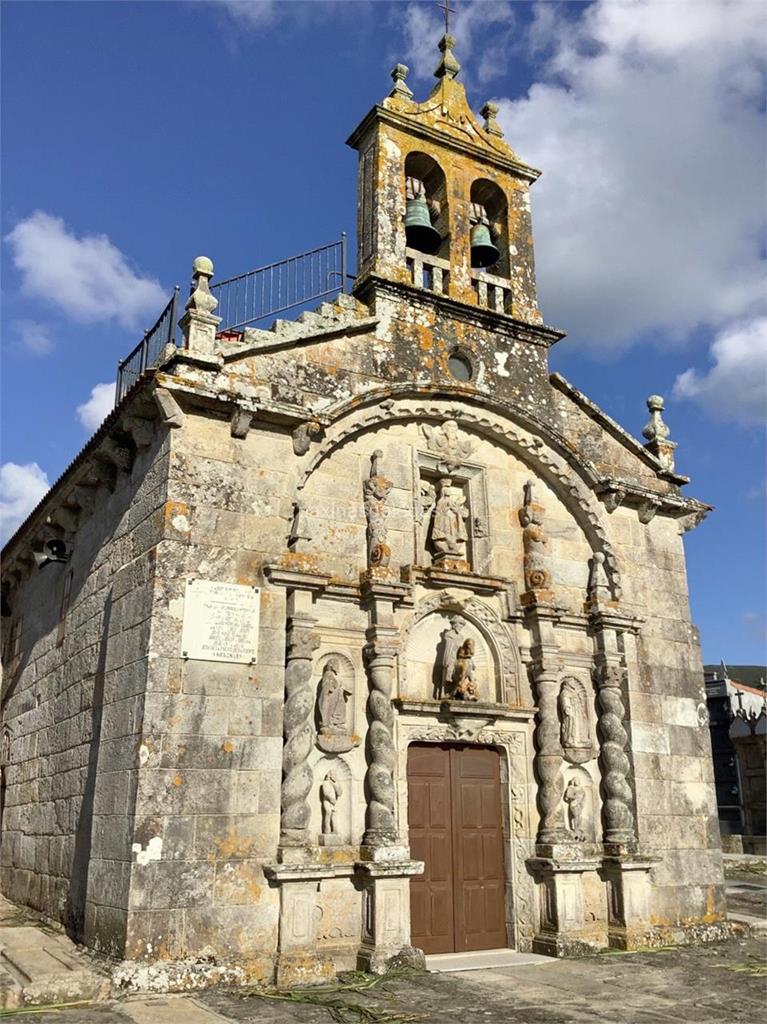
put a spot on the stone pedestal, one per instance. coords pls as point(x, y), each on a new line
point(298, 961)
point(628, 900)
point(560, 876)
point(386, 915)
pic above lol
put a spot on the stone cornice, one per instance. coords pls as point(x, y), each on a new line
point(410, 126)
point(499, 323)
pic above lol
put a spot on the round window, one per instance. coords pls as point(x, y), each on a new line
point(459, 366)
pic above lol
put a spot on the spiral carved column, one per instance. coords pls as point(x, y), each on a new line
point(614, 762)
point(298, 734)
point(379, 781)
point(548, 758)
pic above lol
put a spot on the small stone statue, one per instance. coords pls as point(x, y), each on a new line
point(575, 798)
point(463, 677)
point(330, 793)
point(376, 490)
point(452, 639)
point(574, 730)
point(535, 542)
point(448, 534)
point(331, 700)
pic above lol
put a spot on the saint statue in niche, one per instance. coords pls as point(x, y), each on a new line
point(335, 734)
point(451, 641)
point(448, 534)
point(332, 699)
point(463, 676)
point(573, 719)
point(330, 793)
point(575, 798)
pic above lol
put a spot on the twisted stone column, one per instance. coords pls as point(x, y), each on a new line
point(548, 758)
point(298, 734)
point(379, 780)
point(614, 763)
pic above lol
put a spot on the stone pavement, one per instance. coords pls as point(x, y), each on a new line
point(722, 983)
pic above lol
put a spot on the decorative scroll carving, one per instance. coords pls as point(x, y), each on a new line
point(615, 765)
point(536, 544)
point(534, 450)
point(376, 490)
point(379, 779)
point(298, 735)
point(446, 442)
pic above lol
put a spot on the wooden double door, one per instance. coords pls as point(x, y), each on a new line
point(454, 799)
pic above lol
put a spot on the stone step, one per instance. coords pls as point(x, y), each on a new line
point(37, 969)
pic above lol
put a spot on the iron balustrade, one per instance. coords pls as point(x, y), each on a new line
point(272, 289)
point(246, 299)
point(148, 351)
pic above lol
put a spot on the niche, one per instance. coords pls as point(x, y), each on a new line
point(425, 183)
point(490, 209)
point(580, 805)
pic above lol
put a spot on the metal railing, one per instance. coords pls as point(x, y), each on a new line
point(272, 289)
point(148, 351)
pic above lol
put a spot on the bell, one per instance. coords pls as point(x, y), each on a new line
point(419, 232)
point(483, 252)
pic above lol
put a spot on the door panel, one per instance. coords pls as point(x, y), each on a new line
point(455, 828)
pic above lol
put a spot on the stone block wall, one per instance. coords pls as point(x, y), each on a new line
point(74, 706)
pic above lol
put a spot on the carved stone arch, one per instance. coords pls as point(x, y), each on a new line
point(349, 420)
point(499, 641)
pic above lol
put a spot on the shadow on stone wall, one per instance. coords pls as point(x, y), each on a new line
point(78, 884)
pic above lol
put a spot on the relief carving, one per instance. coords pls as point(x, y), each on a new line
point(376, 490)
point(335, 733)
point(448, 532)
point(535, 543)
point(575, 735)
point(331, 791)
point(575, 798)
point(463, 678)
point(446, 442)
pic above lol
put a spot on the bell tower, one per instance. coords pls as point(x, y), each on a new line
point(443, 200)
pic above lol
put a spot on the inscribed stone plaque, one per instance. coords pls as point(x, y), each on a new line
point(220, 622)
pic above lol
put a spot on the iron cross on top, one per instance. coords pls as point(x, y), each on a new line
point(448, 11)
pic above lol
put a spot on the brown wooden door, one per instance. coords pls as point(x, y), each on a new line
point(454, 797)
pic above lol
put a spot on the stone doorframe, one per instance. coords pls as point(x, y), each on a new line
point(513, 740)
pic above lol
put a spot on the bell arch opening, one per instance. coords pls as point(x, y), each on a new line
point(489, 234)
point(426, 206)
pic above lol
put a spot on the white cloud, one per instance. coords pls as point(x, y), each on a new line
point(736, 385)
point(647, 121)
point(424, 26)
point(101, 402)
point(248, 13)
point(21, 488)
point(35, 337)
point(87, 278)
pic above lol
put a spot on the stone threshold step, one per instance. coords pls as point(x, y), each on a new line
point(482, 959)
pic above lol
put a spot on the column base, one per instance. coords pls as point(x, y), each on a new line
point(386, 915)
point(298, 970)
point(378, 961)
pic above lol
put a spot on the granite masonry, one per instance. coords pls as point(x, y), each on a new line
point(291, 560)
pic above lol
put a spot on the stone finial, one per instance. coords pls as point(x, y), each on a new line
point(491, 126)
point(399, 73)
point(448, 67)
point(656, 429)
point(598, 588)
point(657, 432)
point(200, 297)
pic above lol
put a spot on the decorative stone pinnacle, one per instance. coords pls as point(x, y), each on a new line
point(399, 73)
point(656, 429)
point(489, 112)
point(200, 298)
point(448, 67)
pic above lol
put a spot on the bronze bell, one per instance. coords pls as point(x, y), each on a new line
point(419, 232)
point(484, 253)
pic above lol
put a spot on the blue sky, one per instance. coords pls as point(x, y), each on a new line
point(139, 135)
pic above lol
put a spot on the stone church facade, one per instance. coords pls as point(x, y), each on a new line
point(474, 713)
